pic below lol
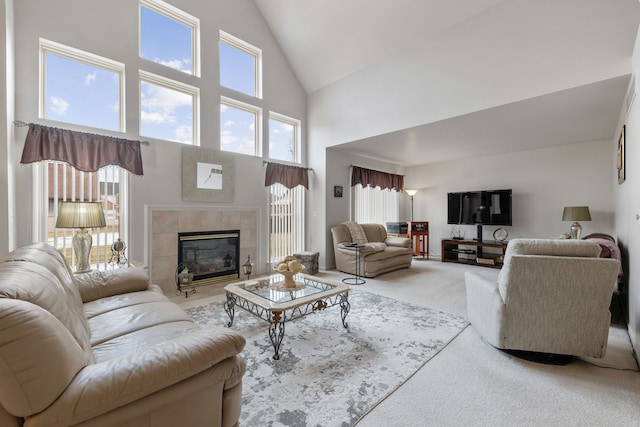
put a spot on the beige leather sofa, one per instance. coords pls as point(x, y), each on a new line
point(551, 296)
point(107, 349)
point(379, 254)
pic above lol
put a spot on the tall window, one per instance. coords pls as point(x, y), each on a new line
point(286, 221)
point(240, 65)
point(168, 109)
point(284, 139)
point(240, 126)
point(80, 88)
point(169, 36)
point(62, 182)
point(373, 205)
point(84, 89)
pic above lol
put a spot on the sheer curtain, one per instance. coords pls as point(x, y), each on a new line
point(287, 209)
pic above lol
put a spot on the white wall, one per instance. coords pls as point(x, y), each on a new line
point(543, 183)
point(110, 29)
point(506, 54)
point(627, 206)
point(7, 169)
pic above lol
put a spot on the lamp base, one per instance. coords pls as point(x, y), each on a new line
point(576, 230)
point(82, 247)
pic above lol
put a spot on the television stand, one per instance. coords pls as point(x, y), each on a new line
point(471, 252)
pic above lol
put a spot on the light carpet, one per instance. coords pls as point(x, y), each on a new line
point(328, 375)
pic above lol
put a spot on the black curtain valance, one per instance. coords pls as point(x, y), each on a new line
point(374, 178)
point(86, 152)
point(289, 176)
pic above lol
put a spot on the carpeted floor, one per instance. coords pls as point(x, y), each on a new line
point(328, 375)
point(470, 383)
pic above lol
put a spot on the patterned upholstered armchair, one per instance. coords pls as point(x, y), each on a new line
point(551, 296)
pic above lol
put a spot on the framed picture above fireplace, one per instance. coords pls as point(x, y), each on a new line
point(207, 175)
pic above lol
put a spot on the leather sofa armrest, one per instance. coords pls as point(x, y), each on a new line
point(105, 386)
point(102, 284)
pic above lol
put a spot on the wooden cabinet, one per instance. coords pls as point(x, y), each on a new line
point(485, 254)
point(419, 234)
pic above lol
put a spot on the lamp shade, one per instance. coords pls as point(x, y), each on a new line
point(576, 213)
point(411, 192)
point(80, 215)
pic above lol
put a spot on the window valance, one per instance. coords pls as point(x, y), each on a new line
point(289, 176)
point(374, 178)
point(84, 151)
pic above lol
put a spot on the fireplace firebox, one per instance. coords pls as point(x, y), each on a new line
point(212, 256)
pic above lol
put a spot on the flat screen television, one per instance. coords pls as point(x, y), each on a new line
point(492, 207)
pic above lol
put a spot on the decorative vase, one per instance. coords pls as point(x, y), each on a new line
point(288, 279)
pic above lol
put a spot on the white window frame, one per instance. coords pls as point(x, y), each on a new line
point(180, 16)
point(257, 112)
point(48, 46)
point(194, 92)
point(297, 142)
point(250, 50)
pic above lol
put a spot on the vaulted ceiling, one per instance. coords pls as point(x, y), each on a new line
point(330, 42)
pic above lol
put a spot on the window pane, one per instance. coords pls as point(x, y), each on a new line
point(166, 113)
point(282, 140)
point(237, 130)
point(237, 69)
point(66, 183)
point(373, 205)
point(165, 40)
point(286, 221)
point(80, 93)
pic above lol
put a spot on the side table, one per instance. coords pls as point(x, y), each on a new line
point(357, 278)
point(419, 234)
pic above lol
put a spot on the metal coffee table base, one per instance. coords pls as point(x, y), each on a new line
point(277, 319)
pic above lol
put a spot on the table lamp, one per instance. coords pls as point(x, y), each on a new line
point(81, 215)
point(576, 213)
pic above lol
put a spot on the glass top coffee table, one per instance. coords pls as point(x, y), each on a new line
point(265, 298)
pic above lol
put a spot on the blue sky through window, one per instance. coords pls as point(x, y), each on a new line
point(237, 69)
point(166, 113)
point(281, 140)
point(237, 130)
point(80, 93)
point(165, 41)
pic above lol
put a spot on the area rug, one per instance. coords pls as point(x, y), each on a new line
point(328, 375)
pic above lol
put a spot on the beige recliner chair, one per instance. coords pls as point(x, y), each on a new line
point(551, 296)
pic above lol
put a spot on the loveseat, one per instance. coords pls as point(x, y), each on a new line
point(551, 296)
point(379, 253)
point(107, 349)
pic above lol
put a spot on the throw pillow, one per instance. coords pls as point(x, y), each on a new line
point(357, 233)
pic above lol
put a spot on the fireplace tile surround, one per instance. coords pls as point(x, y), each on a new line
point(166, 223)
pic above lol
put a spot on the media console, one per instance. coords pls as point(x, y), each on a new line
point(472, 252)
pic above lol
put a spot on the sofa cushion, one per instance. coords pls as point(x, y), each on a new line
point(34, 282)
point(357, 233)
point(30, 384)
point(101, 284)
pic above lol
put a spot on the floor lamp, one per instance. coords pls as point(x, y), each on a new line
point(411, 193)
point(81, 215)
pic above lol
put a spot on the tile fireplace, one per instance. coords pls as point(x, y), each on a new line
point(212, 256)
